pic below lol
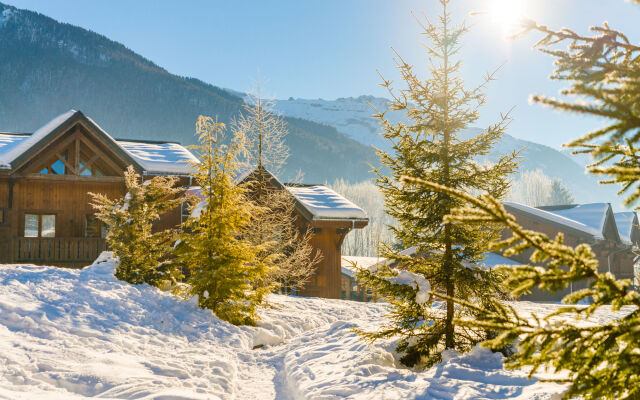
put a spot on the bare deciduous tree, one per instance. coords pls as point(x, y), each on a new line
point(264, 134)
point(288, 245)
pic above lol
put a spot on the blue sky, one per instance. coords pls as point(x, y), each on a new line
point(333, 48)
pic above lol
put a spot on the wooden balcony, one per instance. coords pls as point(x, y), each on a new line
point(71, 252)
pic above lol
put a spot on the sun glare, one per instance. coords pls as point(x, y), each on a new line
point(506, 13)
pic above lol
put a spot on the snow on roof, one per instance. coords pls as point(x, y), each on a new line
point(160, 157)
point(154, 158)
point(349, 269)
point(10, 153)
point(625, 222)
point(558, 219)
point(593, 215)
point(324, 203)
point(8, 142)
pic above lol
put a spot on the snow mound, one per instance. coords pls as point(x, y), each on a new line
point(72, 334)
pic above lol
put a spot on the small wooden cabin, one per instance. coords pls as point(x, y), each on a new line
point(331, 217)
point(45, 177)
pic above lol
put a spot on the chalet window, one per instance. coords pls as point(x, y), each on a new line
point(79, 158)
point(56, 167)
point(94, 228)
point(88, 166)
point(39, 225)
point(48, 224)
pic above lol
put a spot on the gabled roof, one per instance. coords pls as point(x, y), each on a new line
point(598, 216)
point(350, 264)
point(314, 202)
point(151, 158)
point(324, 203)
point(628, 229)
point(565, 223)
point(593, 220)
point(160, 158)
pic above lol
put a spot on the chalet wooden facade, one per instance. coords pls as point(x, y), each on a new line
point(45, 177)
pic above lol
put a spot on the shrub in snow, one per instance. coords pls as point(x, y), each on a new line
point(143, 254)
point(224, 271)
point(432, 147)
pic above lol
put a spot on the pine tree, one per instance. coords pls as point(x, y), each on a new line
point(559, 194)
point(431, 147)
point(602, 361)
point(143, 254)
point(224, 271)
point(273, 225)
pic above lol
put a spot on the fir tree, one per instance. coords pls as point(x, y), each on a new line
point(559, 194)
point(432, 147)
point(143, 254)
point(602, 361)
point(224, 271)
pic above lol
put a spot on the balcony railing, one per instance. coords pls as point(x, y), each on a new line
point(51, 251)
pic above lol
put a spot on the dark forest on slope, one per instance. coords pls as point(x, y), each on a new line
point(47, 68)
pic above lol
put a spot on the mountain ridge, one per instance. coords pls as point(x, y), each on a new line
point(47, 68)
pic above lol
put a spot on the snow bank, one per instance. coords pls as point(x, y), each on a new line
point(72, 334)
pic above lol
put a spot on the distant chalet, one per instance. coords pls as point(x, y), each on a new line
point(613, 237)
point(45, 211)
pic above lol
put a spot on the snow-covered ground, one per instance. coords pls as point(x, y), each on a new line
point(69, 334)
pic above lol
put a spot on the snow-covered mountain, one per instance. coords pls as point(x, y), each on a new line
point(353, 117)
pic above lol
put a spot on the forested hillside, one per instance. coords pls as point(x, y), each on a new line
point(47, 68)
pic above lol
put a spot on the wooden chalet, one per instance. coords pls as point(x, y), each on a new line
point(45, 178)
point(330, 217)
point(594, 224)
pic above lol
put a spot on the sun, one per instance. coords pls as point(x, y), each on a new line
point(506, 13)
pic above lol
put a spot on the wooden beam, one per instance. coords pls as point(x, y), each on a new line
point(88, 164)
point(54, 150)
point(33, 177)
point(75, 171)
point(77, 154)
point(104, 157)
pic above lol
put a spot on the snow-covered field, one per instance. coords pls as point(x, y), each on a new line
point(69, 334)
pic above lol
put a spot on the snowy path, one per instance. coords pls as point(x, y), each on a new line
point(69, 334)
